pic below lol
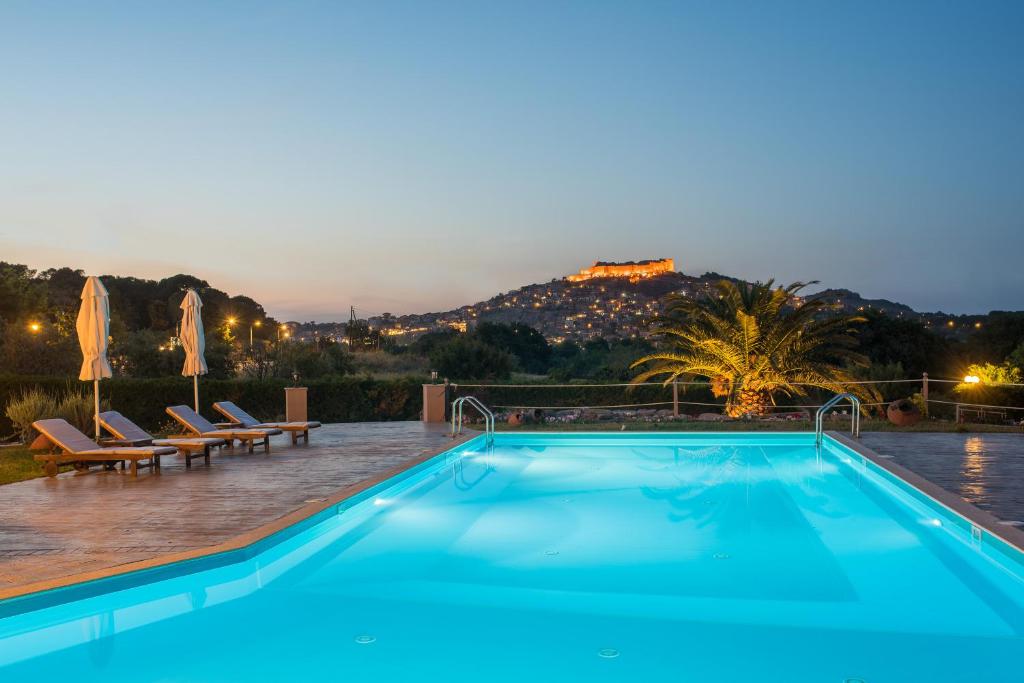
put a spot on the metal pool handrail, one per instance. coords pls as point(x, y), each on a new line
point(481, 408)
point(819, 418)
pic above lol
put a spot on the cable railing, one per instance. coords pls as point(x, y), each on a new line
point(546, 385)
point(965, 404)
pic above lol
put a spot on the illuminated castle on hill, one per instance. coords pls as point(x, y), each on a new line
point(634, 270)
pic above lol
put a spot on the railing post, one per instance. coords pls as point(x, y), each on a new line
point(924, 391)
point(675, 398)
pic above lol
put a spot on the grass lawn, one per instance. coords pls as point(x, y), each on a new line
point(16, 464)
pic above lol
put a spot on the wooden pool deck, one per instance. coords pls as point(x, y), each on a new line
point(75, 523)
point(986, 470)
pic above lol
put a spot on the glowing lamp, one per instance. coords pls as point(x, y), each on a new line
point(972, 379)
point(34, 327)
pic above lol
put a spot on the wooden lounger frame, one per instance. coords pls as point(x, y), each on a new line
point(250, 441)
point(295, 430)
point(189, 452)
point(52, 462)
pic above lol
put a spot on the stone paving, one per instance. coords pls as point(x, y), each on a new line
point(74, 523)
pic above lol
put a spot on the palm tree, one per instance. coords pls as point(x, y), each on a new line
point(754, 342)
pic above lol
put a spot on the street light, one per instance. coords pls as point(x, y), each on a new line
point(257, 323)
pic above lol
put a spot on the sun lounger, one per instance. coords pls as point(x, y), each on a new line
point(130, 434)
point(200, 426)
point(79, 450)
point(238, 416)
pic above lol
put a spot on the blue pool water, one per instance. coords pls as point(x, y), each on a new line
point(750, 558)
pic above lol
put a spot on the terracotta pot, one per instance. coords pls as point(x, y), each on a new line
point(903, 413)
point(515, 419)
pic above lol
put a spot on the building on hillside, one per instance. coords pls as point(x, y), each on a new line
point(634, 270)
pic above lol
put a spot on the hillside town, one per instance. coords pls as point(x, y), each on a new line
point(611, 300)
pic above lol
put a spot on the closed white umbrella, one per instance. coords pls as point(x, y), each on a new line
point(192, 340)
point(93, 328)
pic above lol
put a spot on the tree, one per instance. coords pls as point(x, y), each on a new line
point(360, 336)
point(425, 344)
point(309, 360)
point(598, 359)
point(1016, 359)
point(50, 351)
point(1002, 332)
point(886, 340)
point(146, 353)
point(21, 294)
point(63, 288)
point(527, 345)
point(465, 357)
point(754, 342)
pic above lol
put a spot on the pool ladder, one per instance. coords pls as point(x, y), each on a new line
point(481, 408)
point(819, 418)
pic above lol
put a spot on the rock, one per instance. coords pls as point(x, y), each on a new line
point(712, 417)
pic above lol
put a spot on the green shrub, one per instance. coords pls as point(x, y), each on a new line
point(39, 403)
point(79, 409)
point(29, 405)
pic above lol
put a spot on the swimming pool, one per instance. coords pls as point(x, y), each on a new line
point(569, 557)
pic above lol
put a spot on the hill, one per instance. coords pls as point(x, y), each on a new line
point(620, 306)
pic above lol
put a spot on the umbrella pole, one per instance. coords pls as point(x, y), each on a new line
point(96, 398)
point(195, 390)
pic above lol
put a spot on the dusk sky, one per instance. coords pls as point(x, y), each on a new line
point(408, 157)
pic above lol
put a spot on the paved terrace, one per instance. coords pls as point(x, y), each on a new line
point(74, 523)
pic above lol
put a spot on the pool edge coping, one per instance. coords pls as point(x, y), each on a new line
point(240, 542)
point(1008, 534)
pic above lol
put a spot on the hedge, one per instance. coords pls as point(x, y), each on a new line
point(336, 399)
